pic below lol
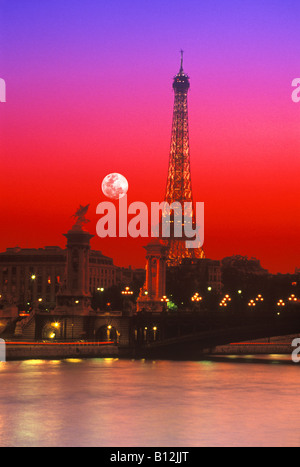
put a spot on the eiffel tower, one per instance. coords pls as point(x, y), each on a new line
point(179, 187)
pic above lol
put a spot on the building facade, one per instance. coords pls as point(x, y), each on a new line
point(34, 276)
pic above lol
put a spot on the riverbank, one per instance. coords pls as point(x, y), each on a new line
point(60, 350)
point(55, 350)
point(252, 349)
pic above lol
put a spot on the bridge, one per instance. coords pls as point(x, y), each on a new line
point(188, 335)
point(165, 335)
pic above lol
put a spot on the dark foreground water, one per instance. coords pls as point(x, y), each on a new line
point(248, 401)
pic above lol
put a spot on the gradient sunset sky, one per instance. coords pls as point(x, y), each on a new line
point(89, 92)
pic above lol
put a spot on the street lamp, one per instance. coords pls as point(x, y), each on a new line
point(164, 299)
point(293, 298)
point(196, 298)
point(33, 278)
point(108, 331)
point(259, 298)
point(127, 291)
point(225, 300)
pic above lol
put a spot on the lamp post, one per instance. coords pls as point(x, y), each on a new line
point(108, 331)
point(259, 298)
point(165, 301)
point(293, 298)
point(127, 303)
point(280, 305)
point(197, 299)
point(127, 291)
point(225, 301)
point(32, 285)
point(100, 299)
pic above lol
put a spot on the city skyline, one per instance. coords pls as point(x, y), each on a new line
point(96, 97)
point(149, 250)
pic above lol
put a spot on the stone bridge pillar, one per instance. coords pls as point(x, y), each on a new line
point(155, 286)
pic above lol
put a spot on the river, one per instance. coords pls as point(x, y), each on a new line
point(221, 401)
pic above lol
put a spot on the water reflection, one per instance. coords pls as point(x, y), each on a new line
point(220, 401)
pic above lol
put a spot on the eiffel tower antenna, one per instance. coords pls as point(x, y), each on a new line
point(181, 62)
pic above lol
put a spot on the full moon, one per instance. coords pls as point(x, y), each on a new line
point(114, 186)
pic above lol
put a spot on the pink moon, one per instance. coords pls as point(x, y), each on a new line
point(114, 186)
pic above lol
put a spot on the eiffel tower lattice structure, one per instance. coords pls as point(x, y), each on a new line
point(179, 187)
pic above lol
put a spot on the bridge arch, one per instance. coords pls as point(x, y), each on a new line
point(107, 332)
point(51, 331)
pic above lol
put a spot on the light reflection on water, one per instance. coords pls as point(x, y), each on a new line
point(222, 401)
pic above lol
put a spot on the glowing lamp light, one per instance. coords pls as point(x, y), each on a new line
point(127, 291)
point(225, 300)
point(164, 299)
point(293, 298)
